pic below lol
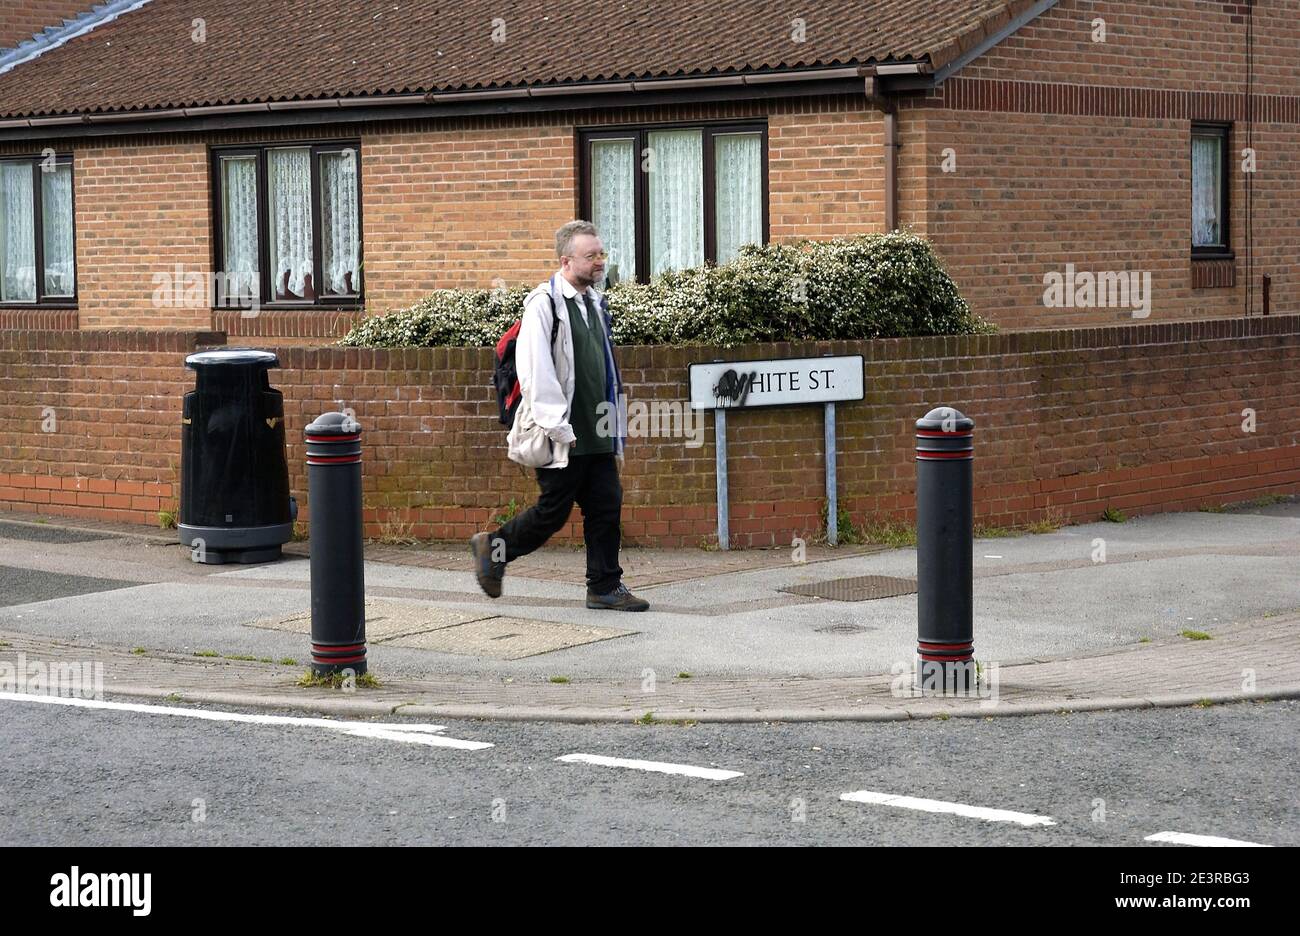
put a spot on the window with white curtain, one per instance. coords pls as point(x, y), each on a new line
point(613, 204)
point(1209, 190)
point(289, 222)
point(37, 243)
point(674, 197)
point(239, 246)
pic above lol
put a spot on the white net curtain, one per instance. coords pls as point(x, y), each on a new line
point(613, 204)
point(676, 191)
point(340, 223)
point(1207, 173)
point(738, 176)
point(56, 231)
point(17, 233)
point(290, 228)
point(239, 225)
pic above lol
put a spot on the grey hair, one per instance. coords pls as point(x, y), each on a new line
point(565, 235)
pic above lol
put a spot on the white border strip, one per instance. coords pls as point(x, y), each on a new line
point(684, 770)
point(939, 806)
point(1204, 841)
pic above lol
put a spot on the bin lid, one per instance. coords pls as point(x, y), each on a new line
point(236, 356)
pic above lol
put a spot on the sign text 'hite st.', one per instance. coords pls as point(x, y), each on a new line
point(787, 382)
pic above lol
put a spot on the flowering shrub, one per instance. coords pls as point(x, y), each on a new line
point(875, 286)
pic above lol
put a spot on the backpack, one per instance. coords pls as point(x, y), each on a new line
point(505, 378)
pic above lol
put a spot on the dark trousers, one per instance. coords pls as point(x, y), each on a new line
point(592, 481)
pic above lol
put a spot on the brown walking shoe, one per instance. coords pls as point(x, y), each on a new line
point(488, 573)
point(620, 599)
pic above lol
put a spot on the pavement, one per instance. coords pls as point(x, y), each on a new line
point(1168, 610)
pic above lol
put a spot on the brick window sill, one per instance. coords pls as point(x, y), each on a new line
point(1214, 272)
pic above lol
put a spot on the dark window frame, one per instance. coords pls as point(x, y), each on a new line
point(260, 151)
point(1223, 133)
point(38, 234)
point(640, 133)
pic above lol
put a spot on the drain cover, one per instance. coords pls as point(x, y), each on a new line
point(862, 588)
point(842, 629)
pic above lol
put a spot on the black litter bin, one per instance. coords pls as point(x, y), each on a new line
point(234, 504)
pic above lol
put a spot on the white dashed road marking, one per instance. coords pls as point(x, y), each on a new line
point(939, 806)
point(1204, 841)
point(685, 770)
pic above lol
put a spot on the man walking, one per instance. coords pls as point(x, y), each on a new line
point(572, 390)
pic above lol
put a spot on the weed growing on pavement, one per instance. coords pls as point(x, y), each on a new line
point(288, 661)
point(559, 679)
point(206, 653)
point(138, 650)
point(1111, 515)
point(1204, 703)
point(240, 656)
point(173, 697)
point(1196, 635)
point(1267, 500)
point(1052, 521)
point(310, 680)
point(896, 535)
point(993, 532)
point(1144, 640)
point(847, 532)
point(647, 719)
point(1210, 508)
point(396, 533)
point(166, 520)
point(683, 675)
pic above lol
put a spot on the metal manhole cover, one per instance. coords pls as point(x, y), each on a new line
point(861, 588)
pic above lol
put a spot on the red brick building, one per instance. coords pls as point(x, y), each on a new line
point(407, 146)
point(1080, 165)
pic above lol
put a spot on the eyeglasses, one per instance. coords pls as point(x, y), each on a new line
point(602, 255)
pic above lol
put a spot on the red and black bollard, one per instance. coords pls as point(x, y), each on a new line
point(945, 452)
point(338, 587)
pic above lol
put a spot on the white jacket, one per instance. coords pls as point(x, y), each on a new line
point(546, 379)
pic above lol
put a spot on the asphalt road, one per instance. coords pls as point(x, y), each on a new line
point(86, 776)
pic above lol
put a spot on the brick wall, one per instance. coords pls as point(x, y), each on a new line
point(1074, 151)
point(21, 19)
point(1143, 418)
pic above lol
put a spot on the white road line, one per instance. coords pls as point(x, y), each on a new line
point(1204, 841)
point(939, 806)
point(411, 737)
point(685, 770)
point(412, 734)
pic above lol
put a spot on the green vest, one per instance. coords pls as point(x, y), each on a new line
point(588, 382)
